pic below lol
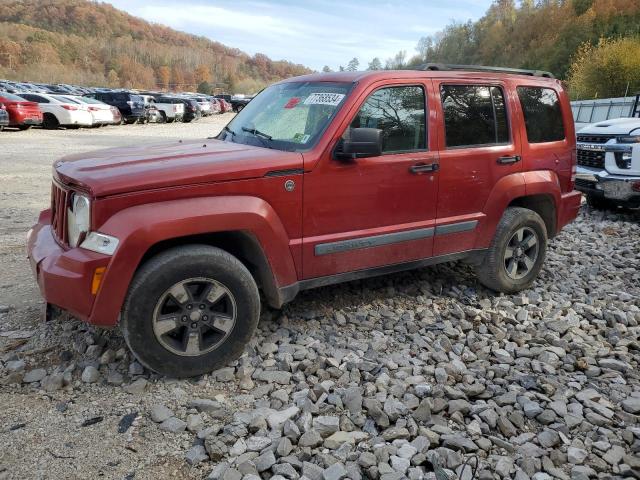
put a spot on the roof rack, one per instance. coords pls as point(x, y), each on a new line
point(482, 68)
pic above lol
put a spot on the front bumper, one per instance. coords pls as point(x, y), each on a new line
point(64, 276)
point(600, 183)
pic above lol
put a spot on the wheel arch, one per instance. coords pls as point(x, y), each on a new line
point(543, 205)
point(241, 244)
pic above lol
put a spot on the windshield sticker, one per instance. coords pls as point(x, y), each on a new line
point(301, 138)
point(332, 99)
point(292, 102)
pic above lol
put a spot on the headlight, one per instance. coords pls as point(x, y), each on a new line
point(78, 218)
point(629, 139)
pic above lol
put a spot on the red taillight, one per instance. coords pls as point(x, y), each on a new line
point(93, 109)
point(69, 107)
point(635, 186)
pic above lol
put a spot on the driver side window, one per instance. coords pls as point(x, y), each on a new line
point(400, 113)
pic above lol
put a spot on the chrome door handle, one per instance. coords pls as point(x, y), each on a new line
point(509, 159)
point(424, 167)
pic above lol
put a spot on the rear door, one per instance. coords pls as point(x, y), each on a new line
point(477, 149)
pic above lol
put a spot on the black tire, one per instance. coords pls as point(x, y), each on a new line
point(24, 127)
point(492, 271)
point(599, 203)
point(50, 121)
point(239, 108)
point(152, 283)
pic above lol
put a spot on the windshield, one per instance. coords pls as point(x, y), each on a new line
point(288, 116)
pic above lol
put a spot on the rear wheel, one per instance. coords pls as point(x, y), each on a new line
point(517, 252)
point(24, 127)
point(190, 310)
point(239, 108)
point(50, 121)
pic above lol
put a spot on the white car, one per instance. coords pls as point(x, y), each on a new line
point(101, 113)
point(205, 106)
point(58, 111)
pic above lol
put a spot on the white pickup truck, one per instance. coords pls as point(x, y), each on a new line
point(169, 111)
point(608, 152)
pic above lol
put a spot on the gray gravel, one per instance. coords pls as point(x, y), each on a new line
point(388, 378)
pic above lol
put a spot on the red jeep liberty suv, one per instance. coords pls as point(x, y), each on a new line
point(320, 179)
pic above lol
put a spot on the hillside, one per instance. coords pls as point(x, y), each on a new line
point(92, 43)
point(542, 34)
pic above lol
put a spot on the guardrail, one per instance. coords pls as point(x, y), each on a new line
point(591, 111)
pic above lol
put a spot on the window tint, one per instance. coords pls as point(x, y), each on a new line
point(542, 114)
point(400, 113)
point(474, 115)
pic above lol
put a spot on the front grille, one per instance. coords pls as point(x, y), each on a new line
point(586, 138)
point(590, 158)
point(59, 204)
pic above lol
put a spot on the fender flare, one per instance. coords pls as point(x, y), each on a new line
point(140, 227)
point(510, 188)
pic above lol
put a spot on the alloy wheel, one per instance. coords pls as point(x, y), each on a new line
point(194, 316)
point(521, 253)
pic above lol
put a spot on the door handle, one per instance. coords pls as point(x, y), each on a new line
point(419, 168)
point(509, 159)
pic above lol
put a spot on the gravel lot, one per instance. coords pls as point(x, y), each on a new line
point(385, 378)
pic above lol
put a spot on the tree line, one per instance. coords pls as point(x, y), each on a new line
point(592, 44)
point(91, 43)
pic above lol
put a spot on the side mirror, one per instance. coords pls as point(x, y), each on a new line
point(361, 142)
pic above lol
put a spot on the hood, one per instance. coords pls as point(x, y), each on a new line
point(146, 167)
point(616, 126)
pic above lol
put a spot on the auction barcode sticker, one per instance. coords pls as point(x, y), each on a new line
point(324, 99)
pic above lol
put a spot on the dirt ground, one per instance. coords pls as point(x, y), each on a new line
point(54, 448)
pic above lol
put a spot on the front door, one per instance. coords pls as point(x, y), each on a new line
point(377, 211)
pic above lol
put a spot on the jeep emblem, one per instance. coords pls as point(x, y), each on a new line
point(289, 185)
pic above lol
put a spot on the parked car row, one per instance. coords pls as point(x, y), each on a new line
point(23, 105)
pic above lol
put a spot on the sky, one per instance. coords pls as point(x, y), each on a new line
point(313, 33)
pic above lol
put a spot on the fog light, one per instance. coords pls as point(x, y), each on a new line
point(97, 279)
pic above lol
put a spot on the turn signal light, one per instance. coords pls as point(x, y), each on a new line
point(98, 273)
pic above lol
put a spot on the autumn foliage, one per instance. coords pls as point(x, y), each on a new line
point(535, 34)
point(91, 43)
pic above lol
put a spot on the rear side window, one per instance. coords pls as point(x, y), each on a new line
point(542, 114)
point(400, 113)
point(474, 115)
point(35, 98)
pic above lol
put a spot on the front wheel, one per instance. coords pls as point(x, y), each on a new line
point(190, 310)
point(517, 252)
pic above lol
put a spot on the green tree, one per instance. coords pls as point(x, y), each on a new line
point(611, 68)
point(353, 65)
point(375, 64)
point(204, 87)
point(326, 69)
